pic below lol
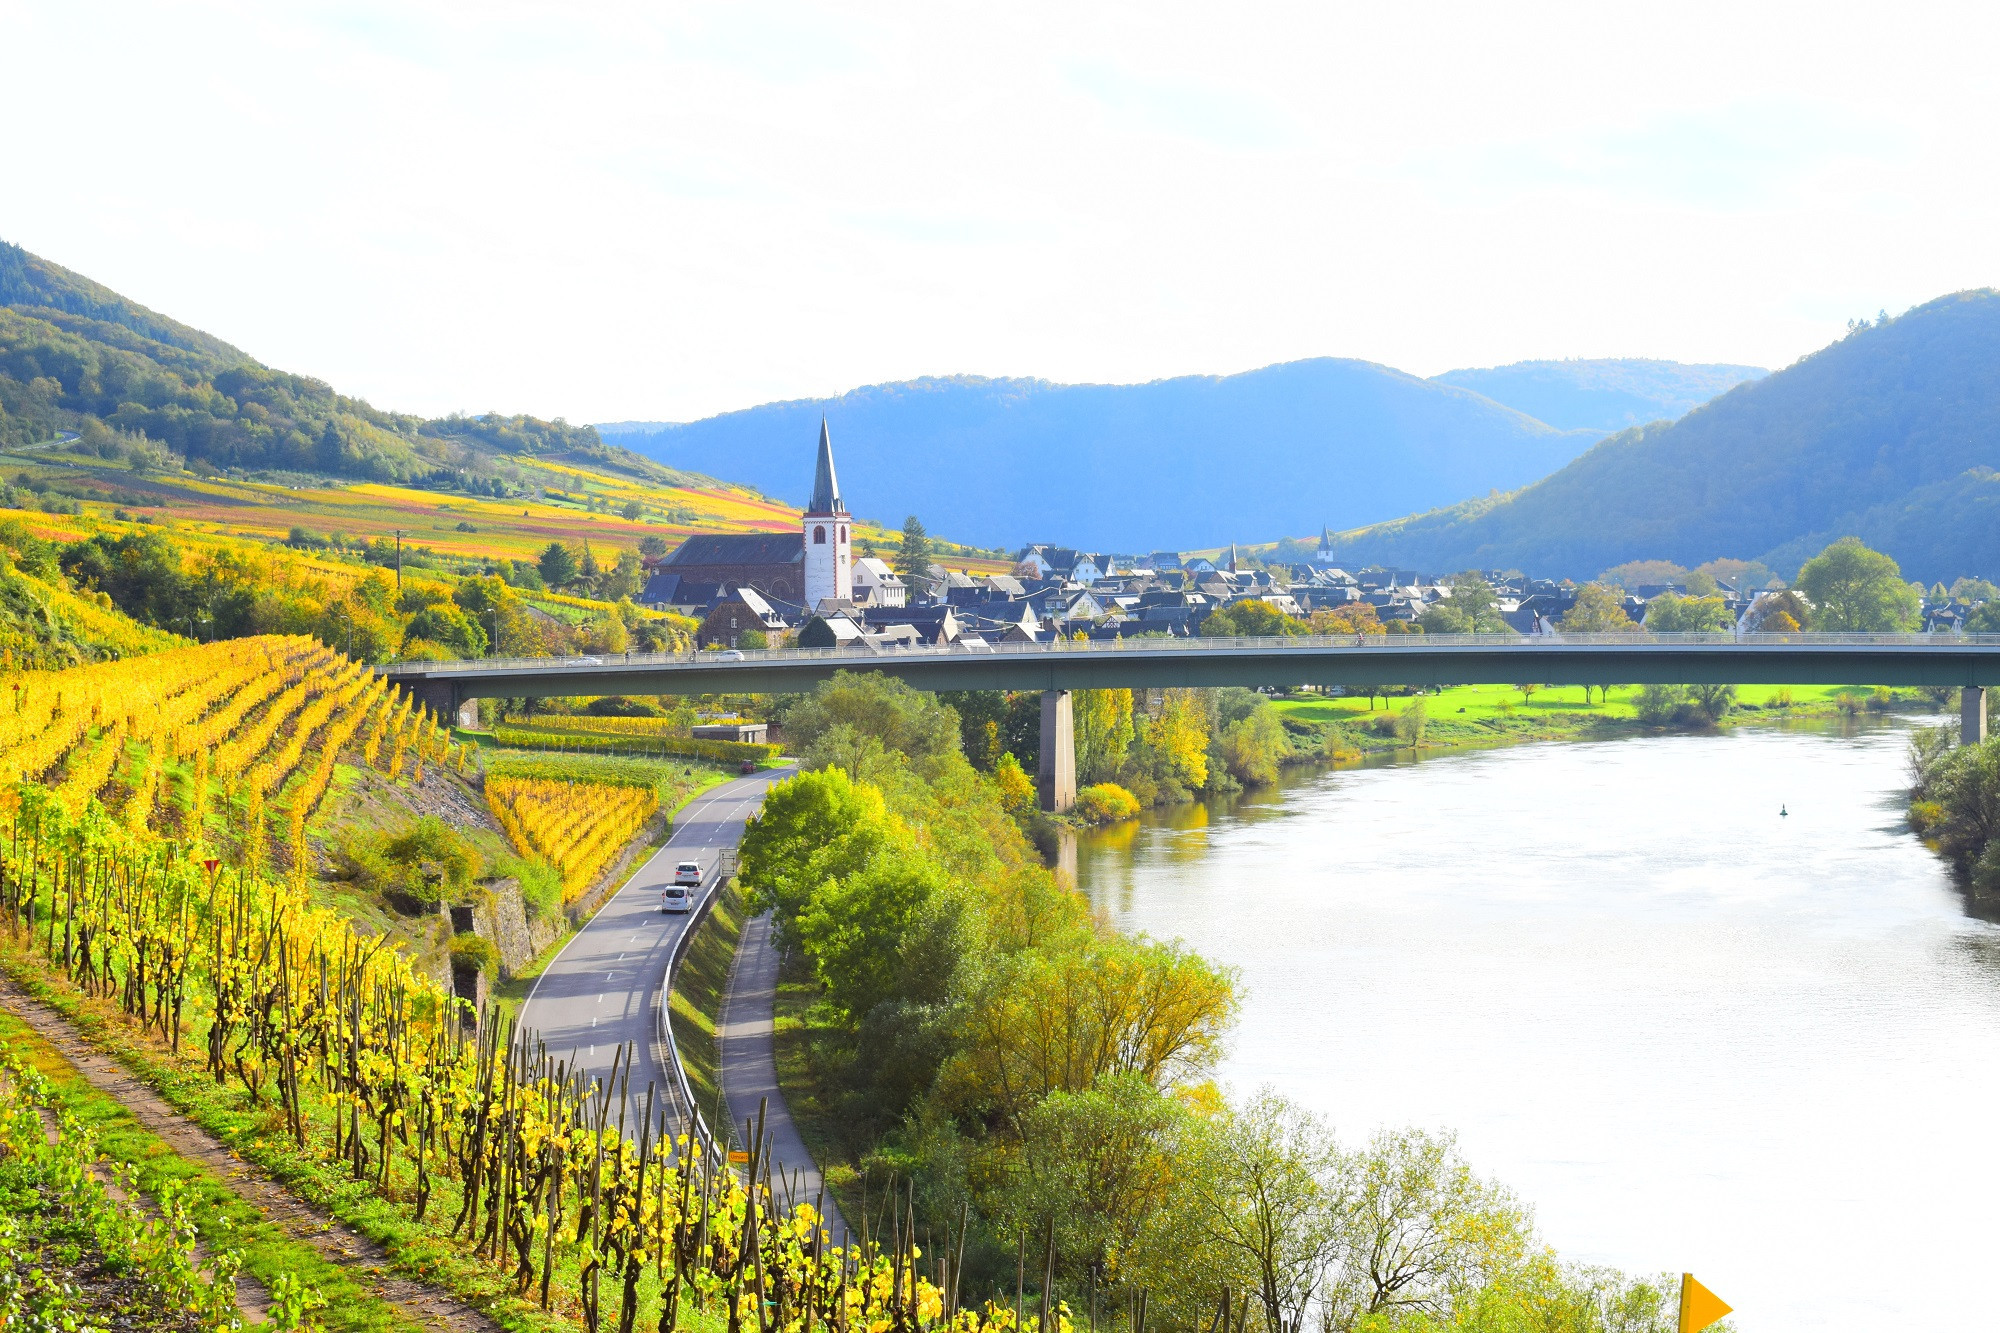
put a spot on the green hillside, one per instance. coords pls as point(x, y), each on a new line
point(1889, 434)
point(78, 357)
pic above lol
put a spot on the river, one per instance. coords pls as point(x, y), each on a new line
point(1692, 1033)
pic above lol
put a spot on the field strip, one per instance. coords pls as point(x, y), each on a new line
point(422, 1305)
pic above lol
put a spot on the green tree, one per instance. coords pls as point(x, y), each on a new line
point(1093, 1167)
point(1252, 617)
point(1103, 733)
point(1781, 613)
point(1983, 619)
point(1269, 1188)
point(1424, 1232)
point(1670, 613)
point(1856, 589)
point(1472, 608)
point(449, 627)
point(1252, 747)
point(814, 827)
point(913, 557)
point(903, 721)
point(632, 510)
point(1596, 611)
point(1638, 573)
point(853, 927)
point(557, 565)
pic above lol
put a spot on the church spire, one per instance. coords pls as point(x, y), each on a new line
point(826, 488)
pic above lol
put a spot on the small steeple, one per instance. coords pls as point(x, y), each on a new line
point(1232, 557)
point(826, 488)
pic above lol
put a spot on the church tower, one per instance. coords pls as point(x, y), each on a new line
point(829, 556)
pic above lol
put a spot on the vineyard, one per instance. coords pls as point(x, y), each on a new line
point(590, 1199)
point(579, 827)
point(217, 745)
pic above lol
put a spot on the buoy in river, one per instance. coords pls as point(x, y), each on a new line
point(1782, 812)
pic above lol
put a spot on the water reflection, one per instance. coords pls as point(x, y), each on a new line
point(1692, 1032)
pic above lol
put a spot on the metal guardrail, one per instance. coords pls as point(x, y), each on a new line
point(1169, 648)
point(698, 1122)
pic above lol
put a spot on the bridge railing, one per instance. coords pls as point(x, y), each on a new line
point(1172, 647)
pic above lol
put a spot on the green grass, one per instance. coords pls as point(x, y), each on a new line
point(699, 987)
point(256, 1133)
point(810, 1047)
point(1464, 715)
point(225, 1219)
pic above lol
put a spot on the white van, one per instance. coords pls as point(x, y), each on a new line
point(676, 898)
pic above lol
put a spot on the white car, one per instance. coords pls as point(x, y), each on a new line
point(676, 898)
point(688, 873)
point(586, 661)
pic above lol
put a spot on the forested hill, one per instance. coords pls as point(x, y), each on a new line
point(1890, 434)
point(78, 357)
point(1605, 395)
point(1188, 462)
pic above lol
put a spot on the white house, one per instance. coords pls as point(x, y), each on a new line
point(875, 584)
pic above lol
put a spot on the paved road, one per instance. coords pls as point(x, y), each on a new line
point(603, 989)
point(750, 1071)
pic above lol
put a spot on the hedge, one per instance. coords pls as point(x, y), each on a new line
point(686, 747)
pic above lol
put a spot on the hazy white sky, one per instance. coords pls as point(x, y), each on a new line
point(608, 211)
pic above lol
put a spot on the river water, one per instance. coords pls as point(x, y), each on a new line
point(1692, 1033)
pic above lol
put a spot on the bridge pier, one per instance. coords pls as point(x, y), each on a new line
point(1972, 715)
point(1055, 780)
point(441, 698)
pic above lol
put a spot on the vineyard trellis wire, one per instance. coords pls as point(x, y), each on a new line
point(366, 1061)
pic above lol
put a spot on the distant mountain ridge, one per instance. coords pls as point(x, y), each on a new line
point(1602, 395)
point(1187, 462)
point(1891, 434)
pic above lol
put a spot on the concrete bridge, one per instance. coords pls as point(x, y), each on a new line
point(1970, 662)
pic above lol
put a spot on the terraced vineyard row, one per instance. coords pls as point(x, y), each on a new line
point(578, 827)
point(258, 722)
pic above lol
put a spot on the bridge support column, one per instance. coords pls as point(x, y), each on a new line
point(1971, 715)
point(1056, 780)
point(440, 697)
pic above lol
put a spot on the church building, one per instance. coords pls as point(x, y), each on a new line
point(803, 568)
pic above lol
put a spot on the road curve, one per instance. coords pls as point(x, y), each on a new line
point(603, 989)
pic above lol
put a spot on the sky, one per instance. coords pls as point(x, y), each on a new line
point(662, 211)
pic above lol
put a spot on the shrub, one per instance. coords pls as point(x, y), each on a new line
point(429, 862)
point(1105, 803)
point(541, 883)
point(1410, 723)
point(476, 952)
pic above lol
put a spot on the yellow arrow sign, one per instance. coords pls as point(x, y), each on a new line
point(1700, 1307)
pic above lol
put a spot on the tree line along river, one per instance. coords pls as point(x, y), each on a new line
point(1691, 1031)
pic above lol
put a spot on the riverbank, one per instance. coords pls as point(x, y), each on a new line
point(1473, 716)
point(1645, 999)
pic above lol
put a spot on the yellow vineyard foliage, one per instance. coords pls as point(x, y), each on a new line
point(269, 716)
point(577, 827)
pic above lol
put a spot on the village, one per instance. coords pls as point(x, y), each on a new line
point(809, 590)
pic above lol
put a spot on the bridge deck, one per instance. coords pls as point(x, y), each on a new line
point(1395, 659)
